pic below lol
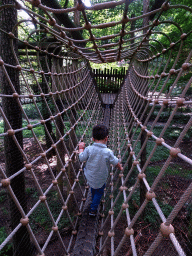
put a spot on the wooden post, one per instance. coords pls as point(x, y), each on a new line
point(116, 82)
point(105, 80)
point(102, 80)
point(107, 83)
point(98, 79)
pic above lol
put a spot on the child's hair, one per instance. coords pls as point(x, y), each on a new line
point(100, 132)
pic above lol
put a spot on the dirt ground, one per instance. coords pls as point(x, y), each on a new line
point(144, 232)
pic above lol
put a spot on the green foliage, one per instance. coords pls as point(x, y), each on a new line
point(103, 16)
point(39, 130)
point(3, 196)
point(171, 133)
point(1, 126)
point(152, 217)
point(160, 154)
point(29, 190)
point(173, 23)
point(7, 249)
point(41, 218)
point(4, 211)
point(153, 171)
point(181, 117)
point(111, 15)
point(102, 66)
point(31, 111)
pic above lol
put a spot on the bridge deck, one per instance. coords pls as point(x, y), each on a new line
point(108, 98)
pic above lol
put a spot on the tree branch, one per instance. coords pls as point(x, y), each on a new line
point(63, 18)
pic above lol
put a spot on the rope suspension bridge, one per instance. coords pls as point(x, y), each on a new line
point(44, 196)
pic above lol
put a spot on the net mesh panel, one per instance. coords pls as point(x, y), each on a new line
point(49, 104)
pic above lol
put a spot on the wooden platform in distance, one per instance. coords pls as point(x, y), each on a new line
point(108, 98)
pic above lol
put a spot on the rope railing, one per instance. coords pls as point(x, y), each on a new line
point(146, 208)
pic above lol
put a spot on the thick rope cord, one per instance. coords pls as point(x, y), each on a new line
point(57, 84)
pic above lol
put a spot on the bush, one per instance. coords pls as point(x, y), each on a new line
point(31, 111)
point(7, 249)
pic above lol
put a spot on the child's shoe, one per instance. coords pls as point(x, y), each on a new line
point(92, 213)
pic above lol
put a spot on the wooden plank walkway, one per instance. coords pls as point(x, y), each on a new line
point(108, 98)
point(88, 226)
point(87, 232)
point(106, 118)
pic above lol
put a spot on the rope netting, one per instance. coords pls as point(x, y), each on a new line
point(49, 104)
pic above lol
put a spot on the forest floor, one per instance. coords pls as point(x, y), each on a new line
point(144, 230)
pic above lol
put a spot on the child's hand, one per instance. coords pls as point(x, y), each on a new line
point(81, 147)
point(119, 166)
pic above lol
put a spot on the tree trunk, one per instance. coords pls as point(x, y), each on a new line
point(57, 64)
point(13, 157)
point(145, 10)
point(76, 15)
point(64, 19)
point(132, 34)
point(49, 134)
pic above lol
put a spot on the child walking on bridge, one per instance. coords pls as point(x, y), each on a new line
point(98, 159)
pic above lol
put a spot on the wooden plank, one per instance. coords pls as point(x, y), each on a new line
point(108, 98)
point(86, 239)
point(106, 118)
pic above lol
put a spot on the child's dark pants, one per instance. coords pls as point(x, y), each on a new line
point(96, 197)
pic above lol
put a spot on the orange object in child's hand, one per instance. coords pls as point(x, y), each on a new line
point(82, 145)
point(119, 166)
